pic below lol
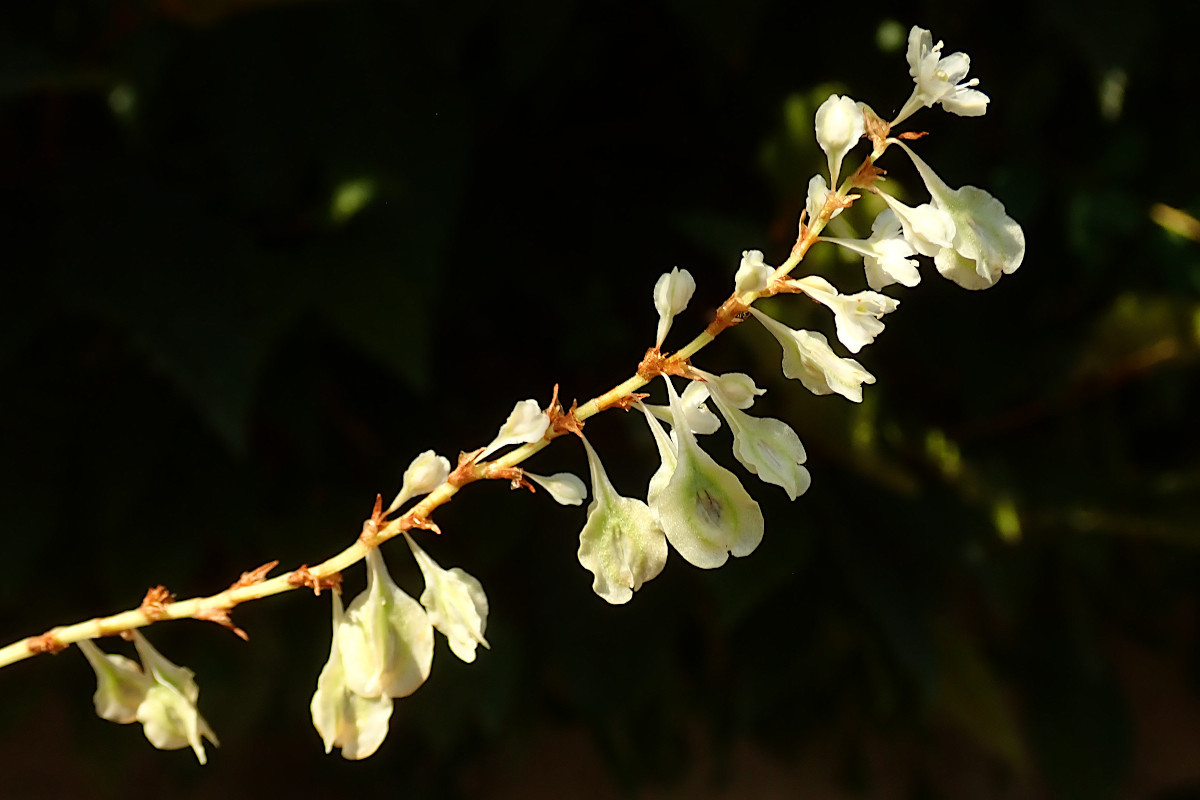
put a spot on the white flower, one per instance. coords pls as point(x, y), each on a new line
point(767, 447)
point(386, 637)
point(168, 713)
point(938, 79)
point(426, 472)
point(526, 423)
point(699, 418)
point(356, 724)
point(753, 275)
point(666, 454)
point(886, 253)
point(703, 508)
point(986, 244)
point(927, 228)
point(620, 544)
point(671, 295)
point(818, 194)
point(121, 685)
point(565, 488)
point(857, 316)
point(456, 604)
point(808, 358)
point(839, 126)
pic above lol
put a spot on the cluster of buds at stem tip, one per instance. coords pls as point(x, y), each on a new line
point(383, 641)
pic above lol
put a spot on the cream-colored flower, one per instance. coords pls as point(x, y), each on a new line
point(456, 604)
point(526, 423)
point(858, 316)
point(672, 293)
point(808, 358)
point(426, 472)
point(937, 79)
point(839, 126)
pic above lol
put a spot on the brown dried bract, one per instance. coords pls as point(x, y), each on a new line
point(254, 576)
point(46, 643)
point(912, 135)
point(154, 604)
point(424, 523)
point(221, 617)
point(465, 471)
point(626, 402)
point(876, 130)
point(560, 422)
point(370, 526)
point(514, 475)
point(301, 576)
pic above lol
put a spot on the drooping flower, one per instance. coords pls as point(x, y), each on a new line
point(700, 419)
point(672, 293)
point(767, 447)
point(938, 79)
point(666, 454)
point(857, 316)
point(620, 544)
point(927, 228)
point(839, 126)
point(886, 253)
point(168, 712)
point(456, 603)
point(753, 275)
point(386, 637)
point(986, 243)
point(565, 488)
point(121, 685)
point(808, 358)
point(703, 509)
point(526, 423)
point(356, 724)
point(426, 472)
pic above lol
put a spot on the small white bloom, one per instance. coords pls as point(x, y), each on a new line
point(700, 419)
point(839, 126)
point(621, 544)
point(737, 389)
point(565, 488)
point(671, 295)
point(767, 447)
point(526, 423)
point(704, 509)
point(938, 79)
point(986, 244)
point(426, 472)
point(928, 228)
point(456, 604)
point(168, 713)
point(818, 194)
point(857, 316)
point(121, 685)
point(808, 358)
point(666, 454)
point(356, 724)
point(386, 637)
point(753, 275)
point(886, 253)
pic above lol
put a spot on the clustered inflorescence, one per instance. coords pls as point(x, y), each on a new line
point(382, 644)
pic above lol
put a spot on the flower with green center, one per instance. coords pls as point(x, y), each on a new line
point(456, 604)
point(839, 126)
point(767, 447)
point(986, 244)
point(356, 724)
point(857, 316)
point(672, 293)
point(938, 79)
point(426, 472)
point(168, 712)
point(703, 509)
point(121, 685)
point(620, 544)
point(808, 358)
point(386, 637)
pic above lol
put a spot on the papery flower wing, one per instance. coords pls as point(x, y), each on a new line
point(620, 544)
point(700, 419)
point(927, 227)
point(356, 724)
point(526, 423)
point(121, 685)
point(565, 488)
point(426, 472)
point(386, 637)
point(672, 293)
point(456, 603)
point(704, 510)
point(856, 316)
point(666, 454)
point(771, 449)
point(808, 358)
point(168, 712)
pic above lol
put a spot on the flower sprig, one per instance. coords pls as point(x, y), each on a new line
point(382, 644)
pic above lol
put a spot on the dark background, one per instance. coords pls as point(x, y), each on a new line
point(207, 362)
